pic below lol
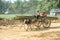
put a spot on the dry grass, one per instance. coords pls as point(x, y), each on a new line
point(13, 32)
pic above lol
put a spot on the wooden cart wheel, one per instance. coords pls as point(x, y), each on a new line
point(39, 24)
point(46, 23)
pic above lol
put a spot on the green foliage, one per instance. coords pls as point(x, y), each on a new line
point(30, 6)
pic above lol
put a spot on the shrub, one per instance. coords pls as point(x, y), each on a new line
point(31, 17)
point(1, 18)
point(23, 17)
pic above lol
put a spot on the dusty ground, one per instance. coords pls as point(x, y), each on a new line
point(15, 33)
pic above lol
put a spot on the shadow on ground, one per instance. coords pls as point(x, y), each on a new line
point(35, 29)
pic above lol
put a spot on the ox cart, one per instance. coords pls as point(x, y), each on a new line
point(44, 21)
point(31, 20)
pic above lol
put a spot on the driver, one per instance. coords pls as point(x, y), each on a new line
point(37, 14)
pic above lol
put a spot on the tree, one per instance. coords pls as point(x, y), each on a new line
point(3, 6)
point(30, 6)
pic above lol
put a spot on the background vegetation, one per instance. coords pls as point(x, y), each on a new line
point(26, 7)
point(30, 6)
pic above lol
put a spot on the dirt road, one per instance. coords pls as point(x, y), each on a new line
point(52, 33)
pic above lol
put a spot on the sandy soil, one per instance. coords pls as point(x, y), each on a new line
point(15, 33)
